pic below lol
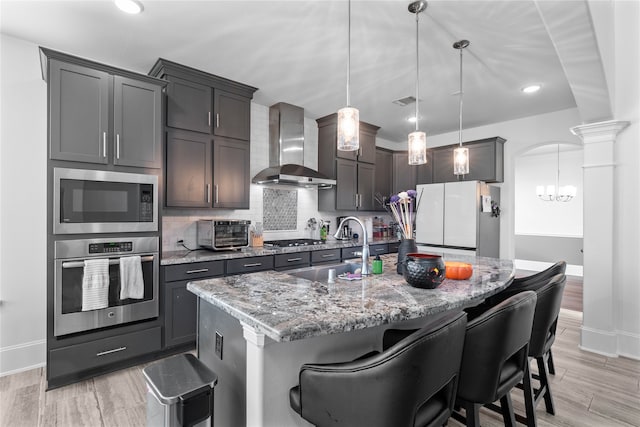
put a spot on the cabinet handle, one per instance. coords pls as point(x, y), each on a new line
point(217, 120)
point(115, 350)
point(378, 250)
point(294, 259)
point(328, 255)
point(209, 118)
point(104, 144)
point(200, 270)
point(215, 200)
point(117, 145)
point(208, 193)
point(255, 264)
point(356, 202)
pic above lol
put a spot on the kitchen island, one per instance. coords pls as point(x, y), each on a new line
point(256, 330)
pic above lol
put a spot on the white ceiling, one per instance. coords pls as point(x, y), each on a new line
point(296, 52)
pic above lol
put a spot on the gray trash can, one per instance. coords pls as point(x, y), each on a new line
point(179, 392)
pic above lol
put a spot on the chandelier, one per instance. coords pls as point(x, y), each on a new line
point(554, 192)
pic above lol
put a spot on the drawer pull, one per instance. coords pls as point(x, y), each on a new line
point(328, 256)
point(379, 249)
point(200, 270)
point(115, 350)
point(255, 264)
point(294, 259)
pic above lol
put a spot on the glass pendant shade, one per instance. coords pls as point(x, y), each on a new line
point(417, 148)
point(348, 129)
point(461, 161)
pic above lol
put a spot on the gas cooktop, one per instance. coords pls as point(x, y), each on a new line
point(292, 242)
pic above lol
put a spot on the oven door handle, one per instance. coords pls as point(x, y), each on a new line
point(77, 264)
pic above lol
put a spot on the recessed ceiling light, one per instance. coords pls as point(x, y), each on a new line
point(531, 88)
point(412, 119)
point(129, 6)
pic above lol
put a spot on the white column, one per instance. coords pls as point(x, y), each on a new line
point(255, 376)
point(598, 332)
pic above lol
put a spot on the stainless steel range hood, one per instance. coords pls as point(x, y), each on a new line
point(286, 151)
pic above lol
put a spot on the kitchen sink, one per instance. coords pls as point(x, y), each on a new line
point(320, 273)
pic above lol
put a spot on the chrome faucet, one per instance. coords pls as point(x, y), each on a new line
point(365, 270)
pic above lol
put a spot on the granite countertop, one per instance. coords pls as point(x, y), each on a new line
point(288, 308)
point(185, 257)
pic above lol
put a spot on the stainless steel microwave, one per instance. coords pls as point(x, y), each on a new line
point(94, 201)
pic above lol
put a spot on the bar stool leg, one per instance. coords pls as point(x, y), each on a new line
point(544, 385)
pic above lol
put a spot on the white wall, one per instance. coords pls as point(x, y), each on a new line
point(538, 217)
point(23, 190)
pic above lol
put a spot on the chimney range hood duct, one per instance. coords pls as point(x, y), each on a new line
point(286, 151)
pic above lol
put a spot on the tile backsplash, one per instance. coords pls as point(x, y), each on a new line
point(279, 209)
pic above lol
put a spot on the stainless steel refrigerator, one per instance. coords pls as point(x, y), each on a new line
point(459, 216)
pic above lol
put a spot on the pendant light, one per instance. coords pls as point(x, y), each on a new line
point(562, 194)
point(460, 153)
point(348, 117)
point(417, 140)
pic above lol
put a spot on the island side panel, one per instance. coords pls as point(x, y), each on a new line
point(282, 362)
point(229, 393)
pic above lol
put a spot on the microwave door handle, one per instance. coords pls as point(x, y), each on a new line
point(77, 264)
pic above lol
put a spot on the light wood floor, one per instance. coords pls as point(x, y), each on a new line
point(589, 390)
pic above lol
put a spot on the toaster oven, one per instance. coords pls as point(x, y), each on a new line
point(222, 235)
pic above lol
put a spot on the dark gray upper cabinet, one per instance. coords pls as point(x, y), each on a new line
point(486, 161)
point(220, 110)
point(424, 173)
point(366, 183)
point(188, 169)
point(188, 105)
point(354, 171)
point(231, 175)
point(383, 176)
point(78, 112)
point(232, 115)
point(404, 175)
point(137, 123)
point(347, 184)
point(101, 114)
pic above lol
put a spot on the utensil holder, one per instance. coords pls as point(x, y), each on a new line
point(406, 246)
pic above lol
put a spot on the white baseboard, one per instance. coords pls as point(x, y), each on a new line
point(629, 345)
point(23, 357)
point(598, 341)
point(523, 264)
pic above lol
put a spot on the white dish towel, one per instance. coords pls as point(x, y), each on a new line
point(95, 284)
point(131, 280)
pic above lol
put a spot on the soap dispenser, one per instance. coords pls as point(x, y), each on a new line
point(377, 265)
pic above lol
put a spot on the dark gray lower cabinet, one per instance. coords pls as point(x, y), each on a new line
point(180, 314)
point(249, 265)
point(102, 352)
point(292, 260)
point(179, 304)
point(325, 255)
point(379, 249)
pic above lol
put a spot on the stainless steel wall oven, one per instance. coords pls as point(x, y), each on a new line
point(72, 289)
point(94, 201)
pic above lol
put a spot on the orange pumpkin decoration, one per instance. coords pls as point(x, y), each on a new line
point(458, 270)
